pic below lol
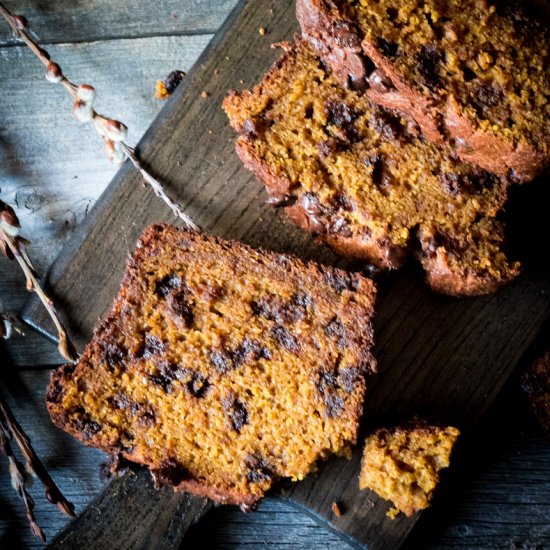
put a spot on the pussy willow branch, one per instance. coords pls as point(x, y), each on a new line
point(19, 479)
point(113, 131)
point(8, 323)
point(21, 475)
point(13, 247)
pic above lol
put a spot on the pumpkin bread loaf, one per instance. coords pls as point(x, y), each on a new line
point(402, 465)
point(535, 383)
point(222, 368)
point(475, 73)
point(363, 179)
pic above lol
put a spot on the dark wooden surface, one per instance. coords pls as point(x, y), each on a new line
point(229, 194)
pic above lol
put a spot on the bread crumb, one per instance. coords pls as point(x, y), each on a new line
point(262, 31)
point(160, 90)
point(392, 513)
point(205, 94)
point(336, 510)
point(165, 88)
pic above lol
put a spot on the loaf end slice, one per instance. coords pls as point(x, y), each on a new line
point(222, 368)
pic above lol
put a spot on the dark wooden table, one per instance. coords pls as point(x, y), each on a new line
point(52, 171)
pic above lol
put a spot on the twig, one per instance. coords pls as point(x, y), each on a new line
point(13, 247)
point(33, 464)
point(113, 132)
point(19, 480)
point(8, 323)
point(21, 476)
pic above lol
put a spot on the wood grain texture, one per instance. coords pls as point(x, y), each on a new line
point(79, 21)
point(52, 168)
point(438, 356)
point(130, 513)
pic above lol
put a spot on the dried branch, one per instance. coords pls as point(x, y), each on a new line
point(13, 246)
point(21, 476)
point(8, 323)
point(19, 480)
point(113, 132)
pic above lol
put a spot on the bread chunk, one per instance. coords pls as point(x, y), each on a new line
point(222, 368)
point(402, 464)
point(473, 73)
point(363, 179)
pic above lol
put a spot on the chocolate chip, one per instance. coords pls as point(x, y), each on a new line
point(278, 310)
point(345, 34)
point(236, 411)
point(170, 472)
point(147, 416)
point(328, 148)
point(249, 349)
point(349, 377)
point(326, 383)
point(340, 227)
point(151, 347)
point(428, 65)
point(194, 382)
point(381, 178)
point(474, 182)
point(180, 309)
point(378, 81)
point(164, 376)
point(115, 465)
point(388, 125)
point(253, 128)
point(341, 280)
point(121, 401)
point(342, 117)
point(85, 425)
point(173, 80)
point(258, 469)
point(222, 360)
point(168, 284)
point(441, 239)
point(112, 353)
point(486, 95)
point(285, 339)
point(335, 329)
point(55, 390)
point(389, 49)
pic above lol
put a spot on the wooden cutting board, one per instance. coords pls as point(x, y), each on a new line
point(439, 357)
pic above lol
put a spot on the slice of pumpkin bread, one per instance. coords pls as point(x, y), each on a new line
point(364, 180)
point(222, 368)
point(474, 73)
point(402, 465)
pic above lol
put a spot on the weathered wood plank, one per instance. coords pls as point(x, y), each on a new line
point(444, 357)
point(52, 170)
point(61, 21)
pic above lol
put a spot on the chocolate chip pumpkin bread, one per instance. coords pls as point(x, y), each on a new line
point(535, 383)
point(222, 368)
point(474, 73)
point(364, 180)
point(402, 465)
